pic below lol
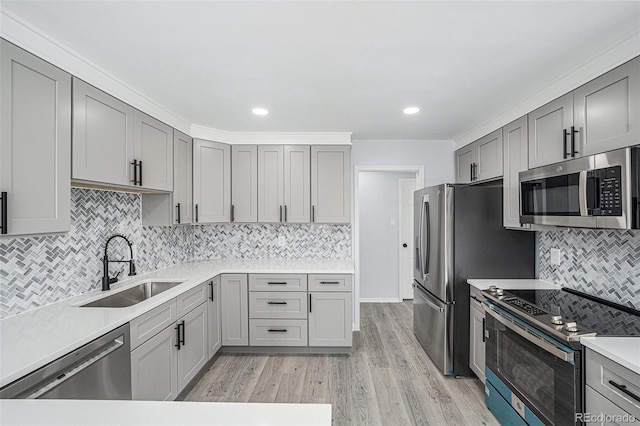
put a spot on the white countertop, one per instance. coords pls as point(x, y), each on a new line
point(34, 338)
point(623, 350)
point(513, 284)
point(64, 412)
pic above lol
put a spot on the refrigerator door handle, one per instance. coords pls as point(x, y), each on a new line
point(428, 253)
point(421, 239)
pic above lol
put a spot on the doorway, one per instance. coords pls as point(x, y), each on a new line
point(406, 188)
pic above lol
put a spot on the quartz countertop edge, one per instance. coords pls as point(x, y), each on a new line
point(513, 284)
point(34, 338)
point(64, 412)
point(623, 350)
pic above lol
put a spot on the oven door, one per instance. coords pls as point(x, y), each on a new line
point(541, 372)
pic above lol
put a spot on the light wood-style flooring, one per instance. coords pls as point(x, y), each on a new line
point(387, 380)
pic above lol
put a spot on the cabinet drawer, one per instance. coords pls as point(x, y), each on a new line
point(608, 377)
point(596, 404)
point(330, 282)
point(193, 298)
point(476, 293)
point(148, 325)
point(277, 332)
point(272, 282)
point(278, 304)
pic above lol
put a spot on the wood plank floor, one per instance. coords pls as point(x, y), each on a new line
point(387, 380)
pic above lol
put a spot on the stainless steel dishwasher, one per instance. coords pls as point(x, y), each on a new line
point(100, 369)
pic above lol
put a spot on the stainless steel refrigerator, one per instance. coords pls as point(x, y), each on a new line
point(458, 234)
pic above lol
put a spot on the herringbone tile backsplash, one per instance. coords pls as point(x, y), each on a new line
point(36, 271)
point(605, 263)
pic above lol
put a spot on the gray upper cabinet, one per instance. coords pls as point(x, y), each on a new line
point(182, 207)
point(270, 183)
point(607, 110)
point(465, 160)
point(35, 143)
point(115, 144)
point(331, 184)
point(211, 181)
point(244, 183)
point(548, 127)
point(103, 134)
point(515, 155)
point(153, 149)
point(284, 183)
point(489, 156)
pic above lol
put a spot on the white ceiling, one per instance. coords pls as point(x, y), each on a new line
point(336, 66)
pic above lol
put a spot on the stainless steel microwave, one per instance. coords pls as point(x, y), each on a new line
point(597, 191)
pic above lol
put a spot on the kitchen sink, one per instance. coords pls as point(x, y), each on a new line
point(133, 295)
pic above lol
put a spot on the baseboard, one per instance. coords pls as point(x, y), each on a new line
point(381, 300)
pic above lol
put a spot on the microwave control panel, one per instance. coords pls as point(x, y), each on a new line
point(610, 189)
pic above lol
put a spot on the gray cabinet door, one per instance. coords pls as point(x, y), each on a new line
point(515, 153)
point(35, 143)
point(489, 156)
point(103, 136)
point(244, 183)
point(548, 143)
point(153, 147)
point(213, 316)
point(194, 349)
point(235, 310)
point(182, 178)
point(211, 181)
point(270, 183)
point(476, 337)
point(607, 110)
point(331, 184)
point(297, 183)
point(330, 319)
point(154, 368)
point(465, 159)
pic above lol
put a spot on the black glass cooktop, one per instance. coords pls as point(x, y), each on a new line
point(605, 318)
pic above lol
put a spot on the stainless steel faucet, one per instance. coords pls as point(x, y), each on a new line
point(106, 281)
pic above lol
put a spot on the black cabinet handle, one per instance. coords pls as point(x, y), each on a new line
point(330, 282)
point(309, 302)
point(280, 214)
point(277, 330)
point(623, 388)
point(276, 303)
point(183, 334)
point(285, 212)
point(276, 283)
point(484, 338)
point(211, 287)
point(404, 245)
point(196, 213)
point(565, 133)
point(471, 172)
point(140, 178)
point(313, 214)
point(3, 208)
point(573, 141)
point(177, 345)
point(232, 213)
point(178, 207)
point(135, 172)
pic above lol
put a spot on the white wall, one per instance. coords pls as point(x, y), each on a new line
point(379, 240)
point(435, 156)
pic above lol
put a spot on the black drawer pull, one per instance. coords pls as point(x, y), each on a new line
point(277, 330)
point(3, 208)
point(277, 283)
point(330, 282)
point(623, 388)
point(276, 303)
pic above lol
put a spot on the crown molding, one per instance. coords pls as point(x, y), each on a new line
point(625, 49)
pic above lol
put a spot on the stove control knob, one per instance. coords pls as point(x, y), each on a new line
point(492, 289)
point(557, 319)
point(499, 291)
point(571, 326)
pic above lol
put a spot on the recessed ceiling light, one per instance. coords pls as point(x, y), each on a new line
point(260, 111)
point(411, 110)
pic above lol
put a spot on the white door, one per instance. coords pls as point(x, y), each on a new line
point(405, 214)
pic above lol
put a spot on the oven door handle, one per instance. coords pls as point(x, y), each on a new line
point(531, 337)
point(582, 193)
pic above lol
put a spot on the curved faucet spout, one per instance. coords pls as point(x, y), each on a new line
point(106, 280)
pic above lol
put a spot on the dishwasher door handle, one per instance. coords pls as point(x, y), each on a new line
point(99, 354)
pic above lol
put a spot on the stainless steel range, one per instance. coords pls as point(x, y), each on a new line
point(534, 359)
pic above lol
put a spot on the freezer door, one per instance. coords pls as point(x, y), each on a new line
point(433, 325)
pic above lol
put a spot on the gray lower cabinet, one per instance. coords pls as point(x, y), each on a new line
point(244, 183)
point(193, 352)
point(35, 143)
point(213, 315)
point(175, 208)
point(278, 332)
point(331, 184)
point(476, 337)
point(211, 181)
point(515, 157)
point(330, 316)
point(154, 368)
point(235, 310)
